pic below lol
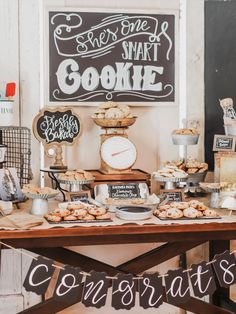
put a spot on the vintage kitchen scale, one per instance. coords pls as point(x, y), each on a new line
point(118, 153)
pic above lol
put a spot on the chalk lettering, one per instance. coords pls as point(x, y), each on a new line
point(228, 276)
point(127, 292)
point(64, 285)
point(63, 128)
point(119, 79)
point(32, 274)
point(95, 290)
point(151, 301)
point(199, 280)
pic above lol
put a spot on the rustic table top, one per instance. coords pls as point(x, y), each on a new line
point(130, 233)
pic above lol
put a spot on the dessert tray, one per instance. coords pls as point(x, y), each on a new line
point(78, 212)
point(192, 210)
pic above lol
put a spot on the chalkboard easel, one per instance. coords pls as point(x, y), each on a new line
point(174, 195)
point(82, 196)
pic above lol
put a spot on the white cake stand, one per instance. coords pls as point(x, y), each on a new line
point(40, 202)
point(170, 183)
point(215, 195)
point(76, 185)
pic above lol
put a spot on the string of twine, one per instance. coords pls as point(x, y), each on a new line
point(88, 274)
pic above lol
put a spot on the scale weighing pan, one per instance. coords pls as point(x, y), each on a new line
point(133, 212)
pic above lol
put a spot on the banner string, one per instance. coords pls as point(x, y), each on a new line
point(88, 274)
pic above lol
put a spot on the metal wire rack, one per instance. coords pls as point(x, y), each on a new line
point(18, 154)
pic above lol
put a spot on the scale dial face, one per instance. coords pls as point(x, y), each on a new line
point(118, 152)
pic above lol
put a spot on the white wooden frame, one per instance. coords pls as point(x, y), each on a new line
point(45, 75)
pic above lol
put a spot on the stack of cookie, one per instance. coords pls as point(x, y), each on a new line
point(112, 110)
point(187, 131)
point(191, 209)
point(76, 175)
point(36, 190)
point(190, 166)
point(78, 211)
point(170, 171)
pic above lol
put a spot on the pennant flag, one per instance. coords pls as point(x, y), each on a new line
point(39, 275)
point(150, 291)
point(202, 279)
point(177, 286)
point(95, 289)
point(68, 285)
point(123, 292)
point(225, 268)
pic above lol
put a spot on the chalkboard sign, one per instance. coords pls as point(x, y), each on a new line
point(56, 126)
point(101, 56)
point(82, 196)
point(224, 143)
point(124, 191)
point(220, 67)
point(173, 195)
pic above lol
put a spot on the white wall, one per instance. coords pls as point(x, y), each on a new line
point(20, 31)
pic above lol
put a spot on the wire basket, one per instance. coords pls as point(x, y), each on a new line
point(18, 154)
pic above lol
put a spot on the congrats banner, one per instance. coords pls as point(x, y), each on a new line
point(72, 282)
point(96, 56)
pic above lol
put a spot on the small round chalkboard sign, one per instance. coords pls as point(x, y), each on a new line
point(57, 127)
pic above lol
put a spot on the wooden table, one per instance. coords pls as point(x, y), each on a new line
point(178, 239)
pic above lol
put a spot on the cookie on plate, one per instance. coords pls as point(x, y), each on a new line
point(162, 214)
point(97, 211)
point(194, 203)
point(210, 213)
point(156, 212)
point(174, 213)
point(60, 212)
point(79, 212)
point(88, 217)
point(70, 218)
point(53, 218)
point(164, 207)
point(105, 216)
point(190, 212)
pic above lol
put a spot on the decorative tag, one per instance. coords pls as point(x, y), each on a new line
point(225, 269)
point(177, 286)
point(39, 275)
point(123, 292)
point(150, 291)
point(95, 289)
point(67, 286)
point(202, 279)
